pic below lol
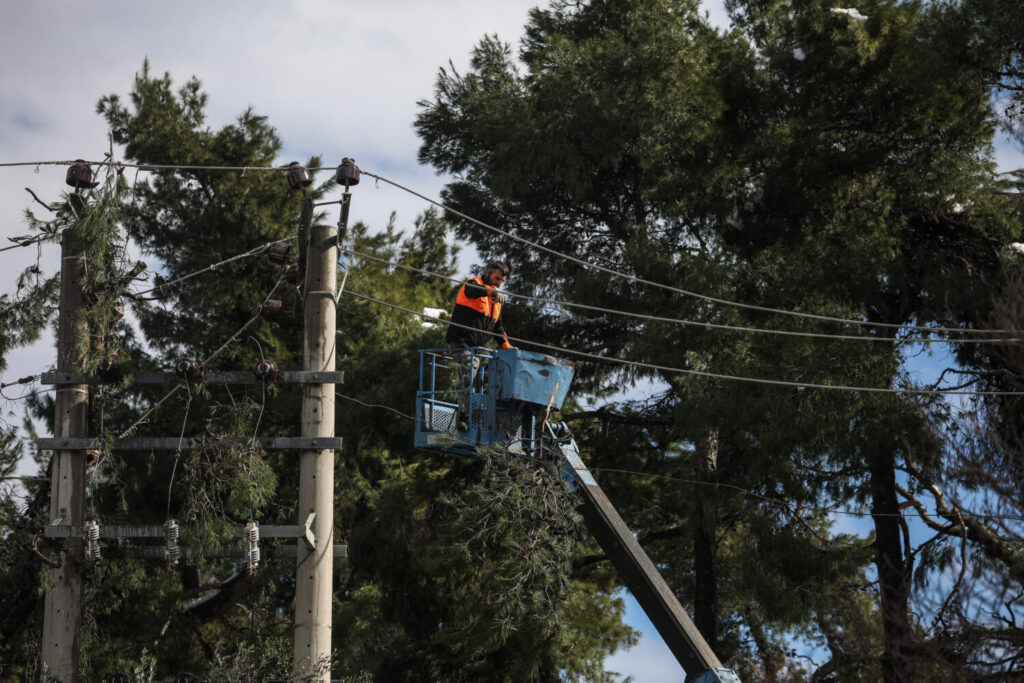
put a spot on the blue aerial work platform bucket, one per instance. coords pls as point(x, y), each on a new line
point(476, 398)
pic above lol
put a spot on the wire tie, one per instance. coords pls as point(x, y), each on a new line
point(332, 295)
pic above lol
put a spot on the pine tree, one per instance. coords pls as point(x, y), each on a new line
point(814, 159)
point(209, 616)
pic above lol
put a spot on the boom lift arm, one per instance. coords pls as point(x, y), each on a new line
point(470, 398)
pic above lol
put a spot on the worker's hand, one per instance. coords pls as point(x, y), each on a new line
point(500, 297)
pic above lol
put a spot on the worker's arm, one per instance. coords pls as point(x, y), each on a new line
point(475, 290)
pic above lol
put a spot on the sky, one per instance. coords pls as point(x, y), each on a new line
point(336, 79)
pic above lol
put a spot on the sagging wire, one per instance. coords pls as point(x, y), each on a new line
point(204, 363)
point(259, 419)
point(177, 453)
point(677, 290)
point(686, 371)
point(689, 323)
point(213, 266)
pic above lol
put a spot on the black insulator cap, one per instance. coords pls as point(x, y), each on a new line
point(80, 175)
point(189, 368)
point(265, 371)
point(108, 370)
point(298, 176)
point(278, 252)
point(271, 309)
point(347, 173)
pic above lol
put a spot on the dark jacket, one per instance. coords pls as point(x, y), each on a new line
point(475, 308)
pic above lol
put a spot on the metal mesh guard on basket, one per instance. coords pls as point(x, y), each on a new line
point(510, 425)
point(438, 418)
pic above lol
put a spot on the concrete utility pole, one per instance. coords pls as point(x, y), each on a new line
point(62, 616)
point(313, 574)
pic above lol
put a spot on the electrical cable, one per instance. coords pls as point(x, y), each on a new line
point(205, 362)
point(27, 242)
point(697, 373)
point(540, 247)
point(691, 323)
point(676, 290)
point(740, 489)
point(214, 266)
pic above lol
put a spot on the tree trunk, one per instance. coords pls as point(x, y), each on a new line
point(893, 575)
point(705, 613)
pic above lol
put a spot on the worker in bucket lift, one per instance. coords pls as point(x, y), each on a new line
point(476, 319)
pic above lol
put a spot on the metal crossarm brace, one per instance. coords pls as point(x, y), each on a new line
point(286, 377)
point(154, 531)
point(156, 552)
point(270, 443)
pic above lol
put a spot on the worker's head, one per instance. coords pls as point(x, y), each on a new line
point(495, 273)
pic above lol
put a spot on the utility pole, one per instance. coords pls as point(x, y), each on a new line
point(315, 565)
point(62, 616)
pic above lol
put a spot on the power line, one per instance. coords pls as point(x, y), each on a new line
point(206, 361)
point(214, 266)
point(155, 167)
point(670, 288)
point(29, 241)
point(739, 489)
point(540, 247)
point(689, 323)
point(697, 373)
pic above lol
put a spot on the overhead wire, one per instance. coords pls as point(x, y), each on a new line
point(677, 290)
point(205, 362)
point(690, 323)
point(689, 371)
point(214, 266)
point(739, 489)
point(541, 247)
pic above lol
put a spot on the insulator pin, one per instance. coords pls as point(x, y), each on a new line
point(91, 529)
point(79, 175)
point(172, 552)
point(347, 174)
point(108, 370)
point(278, 252)
point(265, 371)
point(298, 176)
point(190, 369)
point(252, 535)
point(271, 309)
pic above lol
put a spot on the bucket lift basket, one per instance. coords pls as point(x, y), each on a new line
point(476, 398)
